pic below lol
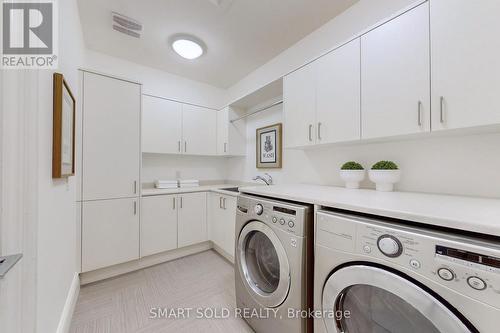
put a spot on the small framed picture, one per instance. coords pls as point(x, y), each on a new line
point(63, 141)
point(269, 147)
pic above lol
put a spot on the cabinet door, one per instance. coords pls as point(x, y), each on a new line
point(111, 139)
point(158, 224)
point(110, 232)
point(229, 224)
point(222, 131)
point(161, 125)
point(299, 107)
point(338, 95)
point(395, 82)
point(192, 222)
point(465, 63)
point(215, 230)
point(199, 130)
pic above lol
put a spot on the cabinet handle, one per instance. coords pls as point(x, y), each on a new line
point(319, 131)
point(419, 110)
point(181, 203)
point(173, 203)
point(185, 147)
point(310, 132)
point(220, 202)
point(441, 109)
point(135, 207)
point(224, 203)
point(179, 145)
point(225, 147)
point(135, 186)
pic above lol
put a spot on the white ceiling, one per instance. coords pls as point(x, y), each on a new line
point(240, 35)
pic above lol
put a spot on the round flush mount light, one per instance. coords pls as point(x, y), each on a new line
point(188, 47)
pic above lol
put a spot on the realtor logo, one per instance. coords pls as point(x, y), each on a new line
point(29, 34)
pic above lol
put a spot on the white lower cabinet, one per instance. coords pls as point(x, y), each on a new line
point(158, 224)
point(222, 221)
point(110, 232)
point(192, 218)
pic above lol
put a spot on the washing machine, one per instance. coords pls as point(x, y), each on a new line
point(274, 264)
point(375, 275)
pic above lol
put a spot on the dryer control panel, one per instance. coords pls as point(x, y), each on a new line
point(469, 266)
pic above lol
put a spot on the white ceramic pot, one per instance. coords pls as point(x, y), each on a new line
point(352, 178)
point(385, 179)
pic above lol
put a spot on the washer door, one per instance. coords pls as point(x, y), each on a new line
point(263, 264)
point(360, 299)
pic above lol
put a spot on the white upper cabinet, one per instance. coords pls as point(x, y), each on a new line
point(161, 125)
point(465, 63)
point(158, 224)
point(299, 107)
point(338, 95)
point(395, 76)
point(111, 137)
point(231, 137)
point(192, 222)
point(199, 130)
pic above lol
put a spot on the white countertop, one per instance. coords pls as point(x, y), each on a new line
point(479, 215)
point(146, 192)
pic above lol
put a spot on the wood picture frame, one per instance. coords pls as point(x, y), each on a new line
point(63, 136)
point(269, 140)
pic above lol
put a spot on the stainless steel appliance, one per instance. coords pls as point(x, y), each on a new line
point(273, 264)
point(375, 276)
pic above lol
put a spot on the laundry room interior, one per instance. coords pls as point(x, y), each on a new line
point(321, 166)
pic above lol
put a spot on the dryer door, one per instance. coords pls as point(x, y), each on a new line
point(263, 264)
point(360, 299)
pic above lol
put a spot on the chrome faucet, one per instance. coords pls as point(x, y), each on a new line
point(266, 179)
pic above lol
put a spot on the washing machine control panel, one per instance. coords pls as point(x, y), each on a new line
point(467, 265)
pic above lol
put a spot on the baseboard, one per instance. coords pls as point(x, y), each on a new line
point(223, 253)
point(69, 305)
point(112, 271)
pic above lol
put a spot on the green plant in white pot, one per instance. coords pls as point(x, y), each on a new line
point(385, 174)
point(352, 173)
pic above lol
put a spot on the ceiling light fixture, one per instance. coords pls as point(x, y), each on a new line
point(188, 47)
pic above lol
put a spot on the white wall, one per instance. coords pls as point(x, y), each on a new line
point(57, 252)
point(172, 167)
point(461, 165)
point(156, 82)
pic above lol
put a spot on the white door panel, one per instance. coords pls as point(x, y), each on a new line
point(199, 130)
point(158, 224)
point(192, 218)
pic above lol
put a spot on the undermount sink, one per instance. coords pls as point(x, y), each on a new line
point(232, 189)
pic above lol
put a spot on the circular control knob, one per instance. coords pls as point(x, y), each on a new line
point(476, 283)
point(390, 246)
point(282, 221)
point(275, 219)
point(258, 209)
point(446, 274)
point(291, 224)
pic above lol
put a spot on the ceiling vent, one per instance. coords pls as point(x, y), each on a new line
point(126, 25)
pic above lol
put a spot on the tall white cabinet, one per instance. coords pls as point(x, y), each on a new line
point(111, 159)
point(395, 76)
point(465, 63)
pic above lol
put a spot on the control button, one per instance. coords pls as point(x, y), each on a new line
point(446, 274)
point(275, 219)
point(282, 221)
point(367, 249)
point(291, 224)
point(258, 209)
point(390, 246)
point(415, 263)
point(476, 283)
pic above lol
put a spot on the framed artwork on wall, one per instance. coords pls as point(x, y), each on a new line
point(269, 147)
point(63, 139)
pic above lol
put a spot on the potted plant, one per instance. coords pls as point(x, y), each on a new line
point(385, 174)
point(352, 173)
